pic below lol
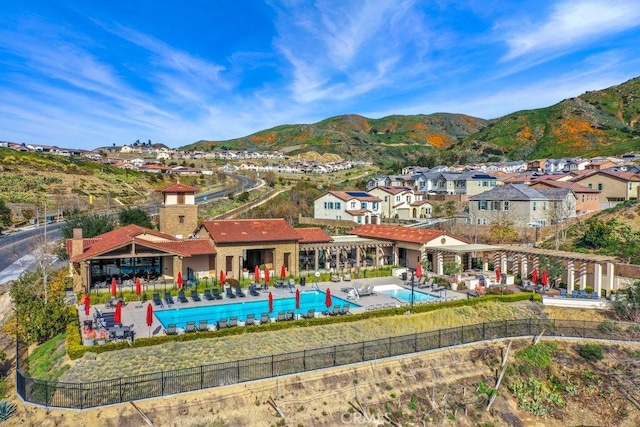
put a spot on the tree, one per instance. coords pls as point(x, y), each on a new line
point(553, 266)
point(599, 235)
point(628, 307)
point(5, 215)
point(503, 230)
point(135, 216)
point(557, 215)
point(270, 178)
point(91, 225)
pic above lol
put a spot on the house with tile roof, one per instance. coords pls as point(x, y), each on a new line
point(587, 199)
point(614, 187)
point(402, 202)
point(357, 206)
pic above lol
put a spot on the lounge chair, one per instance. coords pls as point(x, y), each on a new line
point(171, 329)
point(264, 318)
point(216, 294)
point(281, 316)
point(426, 285)
point(251, 320)
point(345, 309)
point(575, 294)
point(207, 295)
point(119, 335)
point(334, 312)
point(595, 295)
point(181, 297)
point(563, 293)
point(371, 308)
point(583, 293)
point(290, 315)
point(253, 291)
point(230, 293)
point(156, 299)
point(239, 292)
point(378, 307)
point(366, 291)
point(194, 296)
point(310, 314)
point(233, 321)
point(191, 327)
point(222, 323)
point(203, 325)
point(168, 298)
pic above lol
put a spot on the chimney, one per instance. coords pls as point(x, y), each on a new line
point(77, 245)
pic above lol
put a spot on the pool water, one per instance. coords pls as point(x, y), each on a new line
point(403, 294)
point(214, 312)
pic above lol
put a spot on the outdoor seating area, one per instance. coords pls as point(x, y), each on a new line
point(579, 293)
point(337, 310)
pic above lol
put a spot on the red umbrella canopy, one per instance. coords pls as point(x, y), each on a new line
point(117, 316)
point(266, 276)
point(114, 287)
point(180, 281)
point(297, 298)
point(545, 277)
point(498, 274)
point(283, 271)
point(87, 304)
point(534, 275)
point(222, 277)
point(327, 298)
point(270, 302)
point(419, 271)
point(138, 286)
point(149, 315)
point(256, 274)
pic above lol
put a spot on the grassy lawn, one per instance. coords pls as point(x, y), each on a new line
point(46, 360)
point(176, 355)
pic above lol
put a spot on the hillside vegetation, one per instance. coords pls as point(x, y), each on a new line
point(604, 122)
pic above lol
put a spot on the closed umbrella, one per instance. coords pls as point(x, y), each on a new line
point(222, 277)
point(327, 298)
point(138, 287)
point(87, 304)
point(297, 298)
point(270, 302)
point(256, 274)
point(149, 317)
point(498, 274)
point(534, 275)
point(117, 316)
point(545, 277)
point(266, 275)
point(283, 271)
point(180, 281)
point(419, 271)
point(114, 287)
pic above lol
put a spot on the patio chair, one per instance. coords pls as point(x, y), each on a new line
point(378, 307)
point(222, 323)
point(595, 295)
point(290, 315)
point(583, 293)
point(168, 298)
point(191, 327)
point(371, 308)
point(156, 299)
point(345, 309)
point(119, 335)
point(310, 314)
point(233, 321)
point(181, 297)
point(334, 312)
point(171, 329)
point(575, 294)
point(563, 293)
point(230, 293)
point(251, 320)
point(264, 318)
point(239, 292)
point(207, 295)
point(281, 316)
point(253, 291)
point(426, 284)
point(203, 325)
point(216, 294)
point(194, 296)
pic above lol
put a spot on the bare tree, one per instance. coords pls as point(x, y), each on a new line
point(557, 214)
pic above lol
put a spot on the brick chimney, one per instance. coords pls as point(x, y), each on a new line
point(77, 244)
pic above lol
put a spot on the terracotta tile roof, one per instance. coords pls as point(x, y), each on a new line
point(187, 247)
point(179, 188)
point(250, 230)
point(420, 203)
point(358, 195)
point(402, 234)
point(313, 235)
point(391, 190)
point(356, 212)
point(577, 188)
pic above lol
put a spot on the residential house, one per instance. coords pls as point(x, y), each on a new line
point(402, 202)
point(587, 199)
point(357, 206)
point(468, 182)
point(536, 165)
point(614, 187)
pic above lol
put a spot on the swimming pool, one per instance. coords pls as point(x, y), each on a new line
point(403, 294)
point(214, 312)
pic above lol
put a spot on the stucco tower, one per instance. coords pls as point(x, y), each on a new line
point(178, 213)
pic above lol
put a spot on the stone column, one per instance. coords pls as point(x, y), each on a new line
point(503, 263)
point(439, 263)
point(485, 263)
point(597, 278)
point(524, 273)
point(570, 277)
point(583, 275)
point(315, 259)
point(609, 277)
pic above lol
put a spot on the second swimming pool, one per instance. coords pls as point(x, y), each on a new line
point(403, 294)
point(242, 307)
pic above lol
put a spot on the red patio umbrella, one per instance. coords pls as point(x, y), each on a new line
point(138, 287)
point(419, 271)
point(270, 302)
point(149, 317)
point(297, 298)
point(498, 274)
point(266, 275)
point(283, 271)
point(256, 274)
point(114, 287)
point(87, 304)
point(545, 277)
point(117, 316)
point(327, 298)
point(222, 277)
point(534, 275)
point(180, 281)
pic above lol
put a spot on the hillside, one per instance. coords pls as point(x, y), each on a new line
point(604, 122)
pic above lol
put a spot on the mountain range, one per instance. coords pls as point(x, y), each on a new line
point(604, 122)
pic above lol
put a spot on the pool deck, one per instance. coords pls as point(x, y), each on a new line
point(134, 314)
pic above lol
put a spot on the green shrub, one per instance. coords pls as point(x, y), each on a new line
point(608, 327)
point(538, 355)
point(591, 352)
point(6, 410)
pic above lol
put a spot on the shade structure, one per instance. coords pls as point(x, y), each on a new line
point(114, 287)
point(270, 302)
point(256, 274)
point(498, 274)
point(297, 298)
point(87, 304)
point(327, 298)
point(266, 276)
point(545, 277)
point(117, 316)
point(283, 271)
point(534, 275)
point(419, 271)
point(149, 315)
point(138, 287)
point(180, 282)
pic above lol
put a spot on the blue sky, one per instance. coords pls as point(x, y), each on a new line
point(87, 74)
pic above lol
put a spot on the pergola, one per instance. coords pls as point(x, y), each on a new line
point(344, 245)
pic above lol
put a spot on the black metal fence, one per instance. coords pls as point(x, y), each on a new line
point(98, 393)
